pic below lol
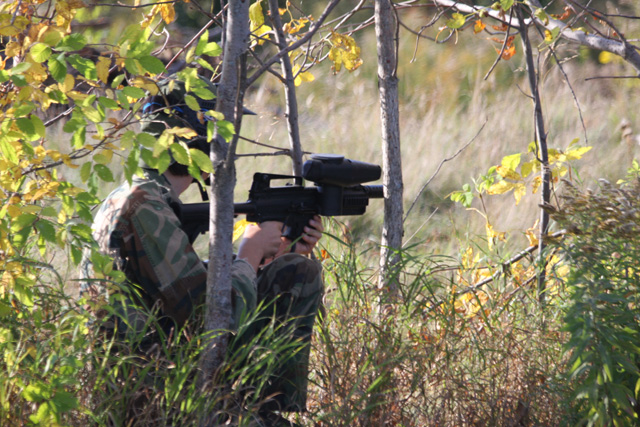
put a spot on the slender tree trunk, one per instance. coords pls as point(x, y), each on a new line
point(543, 153)
point(289, 91)
point(392, 162)
point(218, 314)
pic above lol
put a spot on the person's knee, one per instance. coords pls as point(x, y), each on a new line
point(296, 274)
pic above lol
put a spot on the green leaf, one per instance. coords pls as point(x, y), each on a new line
point(85, 171)
point(23, 294)
point(133, 66)
point(19, 80)
point(201, 160)
point(164, 160)
point(542, 16)
point(211, 130)
point(506, 4)
point(42, 415)
point(40, 52)
point(8, 150)
point(79, 137)
point(192, 102)
point(203, 93)
point(205, 64)
point(122, 99)
point(108, 103)
point(36, 392)
point(5, 309)
point(20, 68)
point(212, 49)
point(147, 157)
point(133, 92)
point(58, 67)
point(64, 401)
point(26, 126)
point(226, 129)
point(47, 230)
point(23, 109)
point(93, 114)
point(81, 231)
point(457, 21)
point(85, 66)
point(202, 42)
point(22, 221)
point(75, 41)
point(38, 126)
point(104, 173)
point(180, 153)
point(152, 64)
point(146, 140)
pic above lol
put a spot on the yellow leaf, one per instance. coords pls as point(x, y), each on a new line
point(167, 12)
point(492, 234)
point(577, 153)
point(186, 133)
point(68, 84)
point(256, 16)
point(67, 161)
point(304, 76)
point(537, 181)
point(102, 68)
point(467, 258)
point(13, 211)
point(548, 36)
point(145, 83)
point(519, 191)
point(512, 161)
point(528, 167)
point(239, 227)
point(258, 35)
point(12, 49)
point(605, 57)
point(500, 187)
point(508, 173)
point(479, 26)
point(344, 51)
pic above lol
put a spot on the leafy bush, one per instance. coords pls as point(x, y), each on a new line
point(601, 247)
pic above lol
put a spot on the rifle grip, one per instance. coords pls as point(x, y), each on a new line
point(294, 227)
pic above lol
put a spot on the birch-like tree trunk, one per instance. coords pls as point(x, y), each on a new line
point(218, 314)
point(392, 231)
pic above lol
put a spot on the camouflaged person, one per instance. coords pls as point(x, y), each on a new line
point(139, 225)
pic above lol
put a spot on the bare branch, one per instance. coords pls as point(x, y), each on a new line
point(457, 153)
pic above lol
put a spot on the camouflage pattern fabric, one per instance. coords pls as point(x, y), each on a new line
point(137, 225)
point(290, 291)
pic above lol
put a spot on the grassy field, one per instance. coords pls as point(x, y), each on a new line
point(444, 103)
point(490, 357)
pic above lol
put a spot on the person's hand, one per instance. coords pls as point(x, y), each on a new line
point(308, 239)
point(260, 242)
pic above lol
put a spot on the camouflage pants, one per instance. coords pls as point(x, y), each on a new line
point(289, 294)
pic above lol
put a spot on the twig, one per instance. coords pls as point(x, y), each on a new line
point(464, 147)
point(505, 266)
point(504, 45)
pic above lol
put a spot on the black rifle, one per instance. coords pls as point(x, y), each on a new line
point(337, 191)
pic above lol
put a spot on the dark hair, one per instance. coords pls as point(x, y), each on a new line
point(178, 169)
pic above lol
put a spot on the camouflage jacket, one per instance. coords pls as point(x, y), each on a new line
point(137, 225)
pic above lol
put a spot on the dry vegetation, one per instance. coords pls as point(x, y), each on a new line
point(487, 358)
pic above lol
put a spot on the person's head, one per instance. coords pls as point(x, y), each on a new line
point(184, 103)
